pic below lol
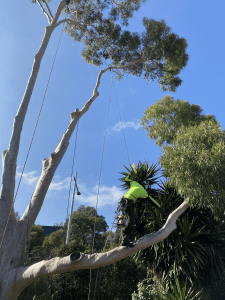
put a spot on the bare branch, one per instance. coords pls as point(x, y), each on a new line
point(44, 12)
point(62, 21)
point(58, 11)
point(46, 4)
point(95, 92)
point(51, 164)
point(78, 261)
point(75, 23)
point(119, 4)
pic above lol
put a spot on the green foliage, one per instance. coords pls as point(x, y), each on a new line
point(167, 116)
point(181, 293)
point(194, 251)
point(145, 176)
point(159, 54)
point(151, 291)
point(120, 279)
point(193, 157)
point(195, 164)
point(142, 173)
point(113, 281)
point(82, 227)
point(34, 243)
point(148, 289)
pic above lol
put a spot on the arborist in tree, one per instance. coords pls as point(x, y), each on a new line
point(127, 207)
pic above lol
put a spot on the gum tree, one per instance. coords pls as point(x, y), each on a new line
point(193, 159)
point(193, 154)
point(157, 54)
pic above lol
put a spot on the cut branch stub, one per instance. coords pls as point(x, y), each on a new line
point(75, 256)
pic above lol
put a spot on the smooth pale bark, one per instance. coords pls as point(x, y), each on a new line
point(19, 278)
point(14, 234)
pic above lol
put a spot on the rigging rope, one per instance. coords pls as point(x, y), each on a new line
point(99, 182)
point(121, 123)
point(102, 273)
point(64, 246)
point(33, 136)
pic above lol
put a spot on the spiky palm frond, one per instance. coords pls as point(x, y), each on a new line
point(142, 173)
point(193, 251)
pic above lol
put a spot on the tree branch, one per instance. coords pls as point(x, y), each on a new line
point(51, 164)
point(9, 157)
point(78, 261)
point(44, 12)
point(46, 4)
point(58, 11)
point(60, 22)
point(71, 21)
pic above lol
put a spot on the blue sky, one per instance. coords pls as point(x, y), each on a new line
point(72, 82)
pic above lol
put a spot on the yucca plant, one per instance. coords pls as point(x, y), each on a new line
point(180, 293)
point(194, 251)
point(159, 292)
point(145, 175)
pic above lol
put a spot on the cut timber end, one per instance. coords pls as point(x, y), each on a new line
point(75, 256)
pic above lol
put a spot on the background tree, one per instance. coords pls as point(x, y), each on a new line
point(164, 118)
point(190, 251)
point(194, 160)
point(157, 292)
point(157, 54)
point(114, 281)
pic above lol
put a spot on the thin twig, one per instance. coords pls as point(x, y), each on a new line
point(46, 4)
point(44, 11)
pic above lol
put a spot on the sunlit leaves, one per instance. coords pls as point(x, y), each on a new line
point(159, 54)
point(164, 118)
point(195, 163)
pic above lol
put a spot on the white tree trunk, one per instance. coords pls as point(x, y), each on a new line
point(14, 277)
point(14, 234)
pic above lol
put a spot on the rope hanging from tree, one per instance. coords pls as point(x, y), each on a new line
point(96, 284)
point(33, 134)
point(102, 273)
point(99, 182)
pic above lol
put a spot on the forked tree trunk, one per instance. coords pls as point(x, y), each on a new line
point(14, 277)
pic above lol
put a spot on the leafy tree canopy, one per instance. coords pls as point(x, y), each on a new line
point(164, 118)
point(83, 226)
point(158, 53)
point(194, 156)
point(195, 163)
